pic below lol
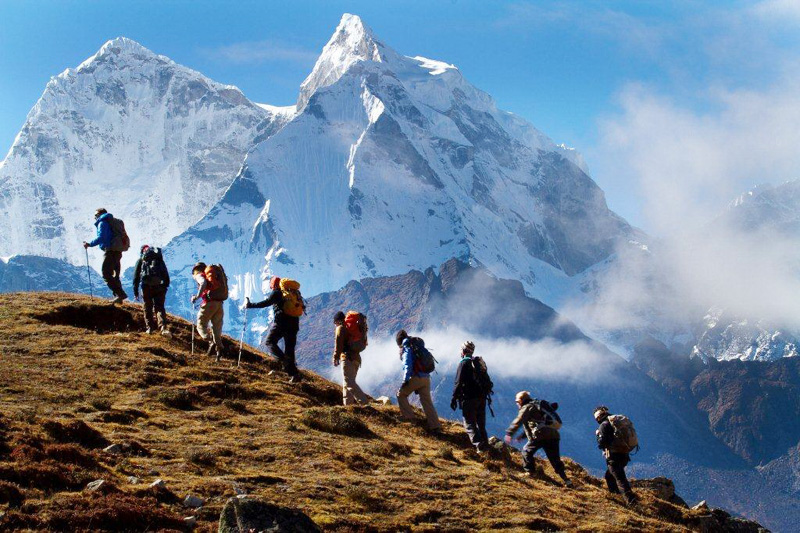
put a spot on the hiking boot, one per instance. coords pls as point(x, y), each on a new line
point(166, 333)
point(568, 484)
point(117, 300)
point(297, 378)
point(148, 331)
point(630, 499)
point(211, 349)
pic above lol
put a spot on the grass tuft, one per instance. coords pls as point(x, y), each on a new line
point(336, 420)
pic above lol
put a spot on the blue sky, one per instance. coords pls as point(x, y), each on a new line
point(634, 85)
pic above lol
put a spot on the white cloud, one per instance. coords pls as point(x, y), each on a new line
point(255, 52)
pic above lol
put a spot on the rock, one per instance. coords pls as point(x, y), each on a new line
point(719, 520)
point(133, 480)
point(95, 485)
point(193, 501)
point(702, 506)
point(662, 488)
point(114, 449)
point(158, 484)
point(190, 521)
point(505, 451)
point(239, 490)
point(256, 515)
point(385, 400)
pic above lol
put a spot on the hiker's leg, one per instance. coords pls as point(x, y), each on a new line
point(611, 481)
point(553, 452)
point(203, 318)
point(528, 451)
point(481, 419)
point(289, 344)
point(402, 400)
point(110, 271)
point(469, 410)
point(159, 300)
point(147, 298)
point(216, 324)
point(351, 391)
point(616, 466)
point(424, 392)
point(271, 342)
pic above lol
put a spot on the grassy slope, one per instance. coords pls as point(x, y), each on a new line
point(205, 428)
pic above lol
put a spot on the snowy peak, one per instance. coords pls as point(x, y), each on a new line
point(352, 42)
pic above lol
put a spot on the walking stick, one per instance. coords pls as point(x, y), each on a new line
point(89, 273)
point(193, 328)
point(244, 328)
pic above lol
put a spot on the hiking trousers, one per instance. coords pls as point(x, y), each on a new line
point(154, 297)
point(351, 392)
point(111, 270)
point(474, 413)
point(285, 329)
point(551, 449)
point(211, 311)
point(615, 473)
point(422, 386)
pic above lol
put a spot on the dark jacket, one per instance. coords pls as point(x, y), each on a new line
point(137, 274)
point(605, 435)
point(104, 232)
point(466, 386)
point(532, 421)
point(275, 299)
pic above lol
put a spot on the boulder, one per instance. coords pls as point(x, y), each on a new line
point(114, 449)
point(251, 514)
point(95, 485)
point(662, 488)
point(193, 501)
point(702, 506)
point(158, 484)
point(190, 521)
point(133, 480)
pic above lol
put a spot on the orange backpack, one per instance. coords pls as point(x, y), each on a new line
point(217, 283)
point(356, 325)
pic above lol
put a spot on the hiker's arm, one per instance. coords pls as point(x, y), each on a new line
point(458, 382)
point(605, 435)
point(338, 345)
point(137, 275)
point(408, 363)
point(103, 234)
point(517, 423)
point(203, 287)
point(166, 281)
point(272, 299)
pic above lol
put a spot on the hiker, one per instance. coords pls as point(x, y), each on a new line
point(541, 423)
point(617, 438)
point(213, 291)
point(416, 378)
point(287, 306)
point(350, 339)
point(472, 390)
point(152, 272)
point(113, 240)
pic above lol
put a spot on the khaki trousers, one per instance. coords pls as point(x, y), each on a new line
point(421, 386)
point(351, 392)
point(211, 311)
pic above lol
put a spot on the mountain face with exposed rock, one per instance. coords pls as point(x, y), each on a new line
point(154, 142)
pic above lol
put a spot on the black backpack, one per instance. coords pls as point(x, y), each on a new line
point(481, 375)
point(423, 358)
point(551, 418)
point(154, 270)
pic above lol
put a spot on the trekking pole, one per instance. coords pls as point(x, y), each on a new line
point(89, 273)
point(193, 328)
point(241, 340)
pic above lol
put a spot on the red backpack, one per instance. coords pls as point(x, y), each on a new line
point(356, 325)
point(217, 283)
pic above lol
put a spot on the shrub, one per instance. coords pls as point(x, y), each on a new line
point(336, 420)
point(101, 404)
point(77, 432)
point(10, 494)
point(176, 398)
point(201, 456)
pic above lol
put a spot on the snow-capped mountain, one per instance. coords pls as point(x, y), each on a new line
point(395, 163)
point(24, 273)
point(154, 142)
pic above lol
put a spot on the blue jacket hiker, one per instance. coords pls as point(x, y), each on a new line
point(414, 381)
point(111, 268)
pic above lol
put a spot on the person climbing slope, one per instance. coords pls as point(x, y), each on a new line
point(541, 423)
point(418, 363)
point(212, 290)
point(113, 240)
point(287, 306)
point(472, 390)
point(151, 271)
point(617, 437)
point(350, 339)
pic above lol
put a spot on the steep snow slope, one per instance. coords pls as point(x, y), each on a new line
point(154, 142)
point(394, 163)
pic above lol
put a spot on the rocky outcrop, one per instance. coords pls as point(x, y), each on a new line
point(245, 514)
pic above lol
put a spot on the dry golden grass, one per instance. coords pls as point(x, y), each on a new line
point(75, 374)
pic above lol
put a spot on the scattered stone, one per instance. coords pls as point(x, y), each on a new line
point(133, 480)
point(114, 449)
point(158, 484)
point(95, 485)
point(193, 501)
point(251, 514)
point(190, 521)
point(385, 400)
point(239, 490)
point(702, 506)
